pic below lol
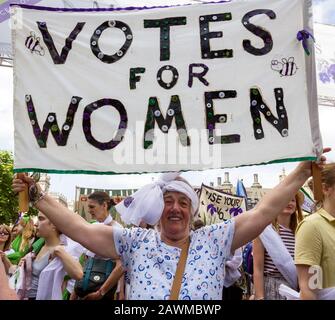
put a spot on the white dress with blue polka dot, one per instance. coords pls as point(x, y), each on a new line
point(151, 264)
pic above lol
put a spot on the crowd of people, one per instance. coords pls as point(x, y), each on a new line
point(162, 252)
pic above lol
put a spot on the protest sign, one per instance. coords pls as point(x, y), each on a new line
point(163, 89)
point(217, 206)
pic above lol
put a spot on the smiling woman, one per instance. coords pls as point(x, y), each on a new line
point(5, 241)
point(143, 252)
point(5, 238)
point(176, 219)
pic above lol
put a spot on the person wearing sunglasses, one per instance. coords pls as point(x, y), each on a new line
point(4, 237)
point(5, 240)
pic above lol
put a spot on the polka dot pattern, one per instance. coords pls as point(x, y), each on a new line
point(151, 264)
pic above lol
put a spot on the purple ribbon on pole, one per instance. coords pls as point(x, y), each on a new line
point(303, 36)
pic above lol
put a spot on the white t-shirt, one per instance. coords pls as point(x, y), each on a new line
point(151, 264)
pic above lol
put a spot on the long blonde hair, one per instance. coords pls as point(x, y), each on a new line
point(296, 217)
point(28, 233)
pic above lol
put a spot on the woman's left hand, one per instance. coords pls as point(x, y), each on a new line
point(57, 251)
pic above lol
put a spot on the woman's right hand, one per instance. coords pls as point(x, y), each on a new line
point(19, 185)
point(22, 182)
point(306, 166)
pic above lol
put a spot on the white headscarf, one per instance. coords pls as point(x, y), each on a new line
point(147, 204)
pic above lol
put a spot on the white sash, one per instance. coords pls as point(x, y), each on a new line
point(51, 280)
point(322, 294)
point(279, 254)
point(232, 273)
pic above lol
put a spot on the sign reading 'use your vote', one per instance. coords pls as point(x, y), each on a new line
point(163, 89)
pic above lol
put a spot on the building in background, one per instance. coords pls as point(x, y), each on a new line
point(70, 205)
point(81, 199)
point(45, 183)
point(255, 193)
point(59, 197)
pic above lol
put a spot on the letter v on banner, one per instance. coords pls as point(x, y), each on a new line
point(56, 57)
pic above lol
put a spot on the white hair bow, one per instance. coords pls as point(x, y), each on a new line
point(147, 204)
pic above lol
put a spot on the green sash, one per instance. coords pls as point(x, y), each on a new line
point(16, 256)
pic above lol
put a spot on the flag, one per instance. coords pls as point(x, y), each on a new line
point(242, 192)
point(240, 189)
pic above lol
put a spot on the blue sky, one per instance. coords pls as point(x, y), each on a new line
point(324, 11)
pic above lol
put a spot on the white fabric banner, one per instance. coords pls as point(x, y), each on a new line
point(325, 61)
point(5, 40)
point(163, 89)
point(217, 206)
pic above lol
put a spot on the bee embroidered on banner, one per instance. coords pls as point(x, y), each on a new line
point(33, 44)
point(285, 67)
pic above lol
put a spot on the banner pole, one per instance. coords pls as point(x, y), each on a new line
point(23, 196)
point(317, 185)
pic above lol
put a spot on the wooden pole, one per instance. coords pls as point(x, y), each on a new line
point(23, 196)
point(317, 184)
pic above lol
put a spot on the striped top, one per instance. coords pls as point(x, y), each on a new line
point(289, 241)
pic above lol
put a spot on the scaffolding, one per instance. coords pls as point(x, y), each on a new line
point(6, 61)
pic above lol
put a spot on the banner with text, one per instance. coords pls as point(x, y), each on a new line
point(217, 206)
point(157, 89)
point(5, 37)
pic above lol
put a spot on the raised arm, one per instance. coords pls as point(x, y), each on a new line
point(251, 223)
point(96, 237)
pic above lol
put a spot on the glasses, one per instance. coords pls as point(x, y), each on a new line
point(4, 233)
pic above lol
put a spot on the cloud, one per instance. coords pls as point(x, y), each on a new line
point(324, 11)
point(6, 109)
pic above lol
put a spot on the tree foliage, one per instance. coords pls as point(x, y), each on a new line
point(8, 200)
